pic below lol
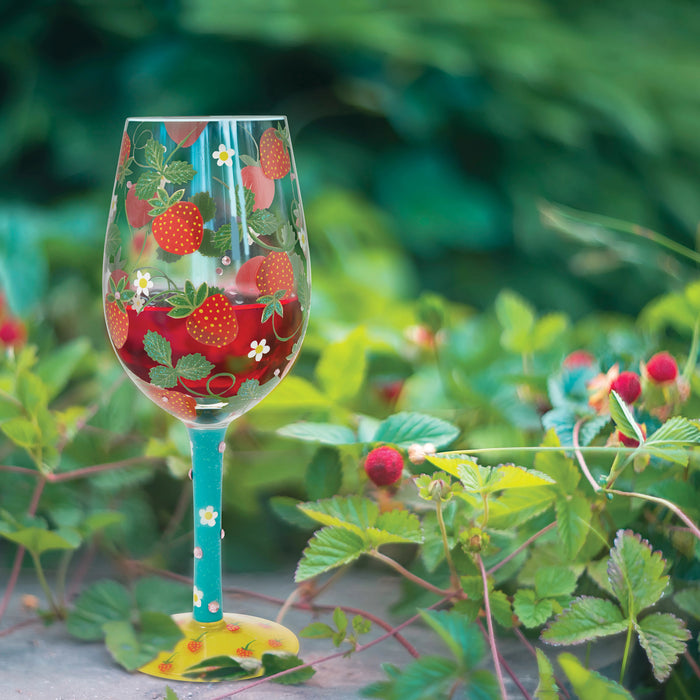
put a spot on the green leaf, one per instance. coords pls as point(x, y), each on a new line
point(221, 668)
point(635, 573)
point(623, 418)
point(590, 685)
point(547, 688)
point(517, 319)
point(157, 348)
point(325, 433)
point(104, 601)
point(329, 548)
point(557, 465)
point(193, 367)
point(342, 366)
point(317, 630)
point(156, 594)
point(670, 439)
point(554, 581)
point(547, 330)
point(324, 475)
point(688, 600)
point(37, 540)
point(165, 377)
point(147, 184)
point(276, 662)
point(587, 618)
point(170, 693)
point(287, 509)
point(460, 635)
point(395, 526)
point(516, 507)
point(427, 677)
point(133, 647)
point(663, 637)
point(340, 619)
point(179, 172)
point(531, 611)
point(404, 429)
point(352, 513)
point(501, 609)
point(573, 523)
point(57, 367)
point(22, 432)
point(31, 392)
point(100, 520)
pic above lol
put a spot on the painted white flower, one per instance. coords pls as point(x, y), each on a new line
point(224, 156)
point(208, 516)
point(138, 303)
point(197, 597)
point(143, 282)
point(259, 348)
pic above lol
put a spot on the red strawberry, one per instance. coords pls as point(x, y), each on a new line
point(179, 229)
point(175, 402)
point(628, 386)
point(13, 333)
point(262, 186)
point(214, 322)
point(184, 133)
point(117, 324)
point(246, 276)
point(384, 465)
point(275, 273)
point(662, 368)
point(137, 209)
point(273, 155)
point(124, 150)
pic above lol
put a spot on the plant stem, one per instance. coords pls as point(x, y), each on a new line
point(45, 586)
point(505, 665)
point(411, 577)
point(454, 576)
point(523, 546)
point(489, 624)
point(628, 644)
point(579, 456)
point(692, 663)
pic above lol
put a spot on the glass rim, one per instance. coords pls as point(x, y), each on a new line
point(215, 118)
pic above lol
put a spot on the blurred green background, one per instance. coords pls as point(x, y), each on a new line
point(425, 135)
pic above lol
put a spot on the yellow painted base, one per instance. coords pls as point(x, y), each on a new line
point(242, 637)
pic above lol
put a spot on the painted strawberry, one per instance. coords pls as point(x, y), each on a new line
point(194, 646)
point(117, 323)
point(274, 157)
point(184, 133)
point(275, 273)
point(214, 322)
point(384, 465)
point(245, 651)
point(233, 628)
point(263, 187)
point(124, 150)
point(179, 229)
point(246, 276)
point(167, 665)
point(274, 643)
point(178, 404)
point(137, 209)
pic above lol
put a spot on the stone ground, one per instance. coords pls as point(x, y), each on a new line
point(45, 663)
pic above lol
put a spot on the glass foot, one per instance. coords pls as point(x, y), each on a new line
point(229, 649)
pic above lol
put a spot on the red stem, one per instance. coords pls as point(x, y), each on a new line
point(524, 545)
point(505, 665)
point(489, 623)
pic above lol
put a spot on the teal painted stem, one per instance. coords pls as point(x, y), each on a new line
point(207, 468)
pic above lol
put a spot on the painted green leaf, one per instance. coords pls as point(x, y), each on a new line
point(324, 474)
point(688, 600)
point(623, 418)
point(207, 207)
point(276, 662)
point(193, 367)
point(147, 184)
point(554, 581)
point(352, 513)
point(587, 618)
point(325, 433)
point(460, 635)
point(157, 348)
point(663, 637)
point(531, 611)
point(104, 601)
point(327, 549)
point(165, 377)
point(404, 429)
point(547, 688)
point(153, 153)
point(590, 685)
point(573, 520)
point(342, 367)
point(133, 647)
point(179, 172)
point(635, 573)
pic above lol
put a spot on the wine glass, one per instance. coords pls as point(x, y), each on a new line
point(206, 291)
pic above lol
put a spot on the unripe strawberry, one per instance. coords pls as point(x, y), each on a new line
point(628, 386)
point(384, 465)
point(662, 368)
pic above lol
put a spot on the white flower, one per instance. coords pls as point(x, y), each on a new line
point(197, 597)
point(224, 156)
point(143, 282)
point(138, 303)
point(259, 348)
point(208, 516)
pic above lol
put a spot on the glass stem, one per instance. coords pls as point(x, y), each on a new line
point(207, 469)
